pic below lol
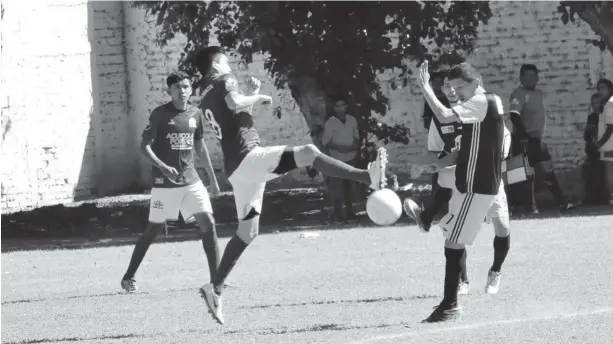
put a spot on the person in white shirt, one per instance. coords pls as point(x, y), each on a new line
point(342, 140)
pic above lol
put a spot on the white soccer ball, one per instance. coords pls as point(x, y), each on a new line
point(384, 207)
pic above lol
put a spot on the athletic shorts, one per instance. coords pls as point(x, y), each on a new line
point(250, 177)
point(189, 200)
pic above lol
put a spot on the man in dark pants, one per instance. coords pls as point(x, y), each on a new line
point(528, 115)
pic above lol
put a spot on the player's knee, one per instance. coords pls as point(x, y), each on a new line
point(206, 222)
point(453, 245)
point(502, 226)
point(305, 155)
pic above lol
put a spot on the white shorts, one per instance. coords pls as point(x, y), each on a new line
point(189, 200)
point(250, 177)
point(499, 207)
point(466, 215)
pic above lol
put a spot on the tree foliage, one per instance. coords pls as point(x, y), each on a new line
point(597, 14)
point(338, 48)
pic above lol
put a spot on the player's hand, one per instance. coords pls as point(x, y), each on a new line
point(253, 85)
point(424, 74)
point(264, 99)
point(214, 189)
point(170, 172)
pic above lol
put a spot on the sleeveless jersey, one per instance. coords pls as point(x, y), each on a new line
point(172, 133)
point(234, 129)
point(478, 167)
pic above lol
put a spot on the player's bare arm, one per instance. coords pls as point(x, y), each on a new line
point(442, 113)
point(235, 100)
point(203, 155)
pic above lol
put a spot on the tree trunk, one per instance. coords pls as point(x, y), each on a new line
point(599, 20)
point(312, 102)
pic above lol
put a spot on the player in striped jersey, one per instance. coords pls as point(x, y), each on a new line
point(477, 173)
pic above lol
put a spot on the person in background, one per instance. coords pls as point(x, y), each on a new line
point(436, 82)
point(528, 115)
point(342, 140)
point(605, 132)
point(593, 168)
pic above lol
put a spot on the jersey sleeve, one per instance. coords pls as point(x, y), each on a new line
point(608, 112)
point(200, 122)
point(151, 130)
point(435, 141)
point(518, 98)
point(230, 84)
point(473, 110)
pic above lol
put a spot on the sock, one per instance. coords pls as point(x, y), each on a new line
point(551, 181)
point(211, 250)
point(233, 251)
point(464, 274)
point(140, 249)
point(453, 269)
point(501, 248)
point(331, 167)
point(440, 198)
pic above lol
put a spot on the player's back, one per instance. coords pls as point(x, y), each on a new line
point(234, 129)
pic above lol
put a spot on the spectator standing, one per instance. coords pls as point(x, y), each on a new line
point(605, 132)
point(593, 169)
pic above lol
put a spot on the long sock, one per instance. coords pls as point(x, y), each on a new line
point(552, 183)
point(501, 248)
point(440, 198)
point(453, 270)
point(464, 274)
point(140, 249)
point(211, 250)
point(331, 167)
point(233, 251)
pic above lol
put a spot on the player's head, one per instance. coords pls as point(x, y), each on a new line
point(464, 79)
point(212, 61)
point(528, 76)
point(605, 89)
point(596, 102)
point(450, 92)
point(179, 87)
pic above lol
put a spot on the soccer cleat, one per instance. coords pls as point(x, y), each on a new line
point(414, 211)
point(444, 312)
point(493, 282)
point(567, 207)
point(463, 288)
point(376, 170)
point(213, 302)
point(129, 285)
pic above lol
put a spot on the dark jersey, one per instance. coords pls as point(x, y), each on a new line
point(448, 133)
point(234, 129)
point(172, 133)
point(478, 168)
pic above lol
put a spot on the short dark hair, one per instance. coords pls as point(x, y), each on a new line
point(176, 78)
point(595, 95)
point(204, 58)
point(464, 71)
point(528, 67)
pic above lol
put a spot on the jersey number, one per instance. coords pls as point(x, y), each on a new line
point(208, 114)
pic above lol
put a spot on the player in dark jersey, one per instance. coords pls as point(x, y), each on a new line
point(477, 173)
point(250, 165)
point(174, 132)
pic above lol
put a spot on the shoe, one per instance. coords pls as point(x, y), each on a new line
point(129, 285)
point(444, 312)
point(567, 207)
point(414, 211)
point(376, 170)
point(213, 302)
point(493, 282)
point(463, 288)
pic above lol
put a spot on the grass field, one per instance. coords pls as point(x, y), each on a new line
point(363, 285)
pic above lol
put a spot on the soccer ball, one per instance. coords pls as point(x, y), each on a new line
point(384, 207)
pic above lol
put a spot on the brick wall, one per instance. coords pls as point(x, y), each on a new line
point(71, 137)
point(67, 134)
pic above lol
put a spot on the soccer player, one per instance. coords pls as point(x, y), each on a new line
point(477, 171)
point(528, 115)
point(174, 132)
point(249, 165)
point(498, 213)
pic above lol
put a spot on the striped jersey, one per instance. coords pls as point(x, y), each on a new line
point(441, 137)
point(478, 167)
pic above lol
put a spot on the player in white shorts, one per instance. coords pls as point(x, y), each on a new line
point(174, 132)
point(477, 173)
point(249, 165)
